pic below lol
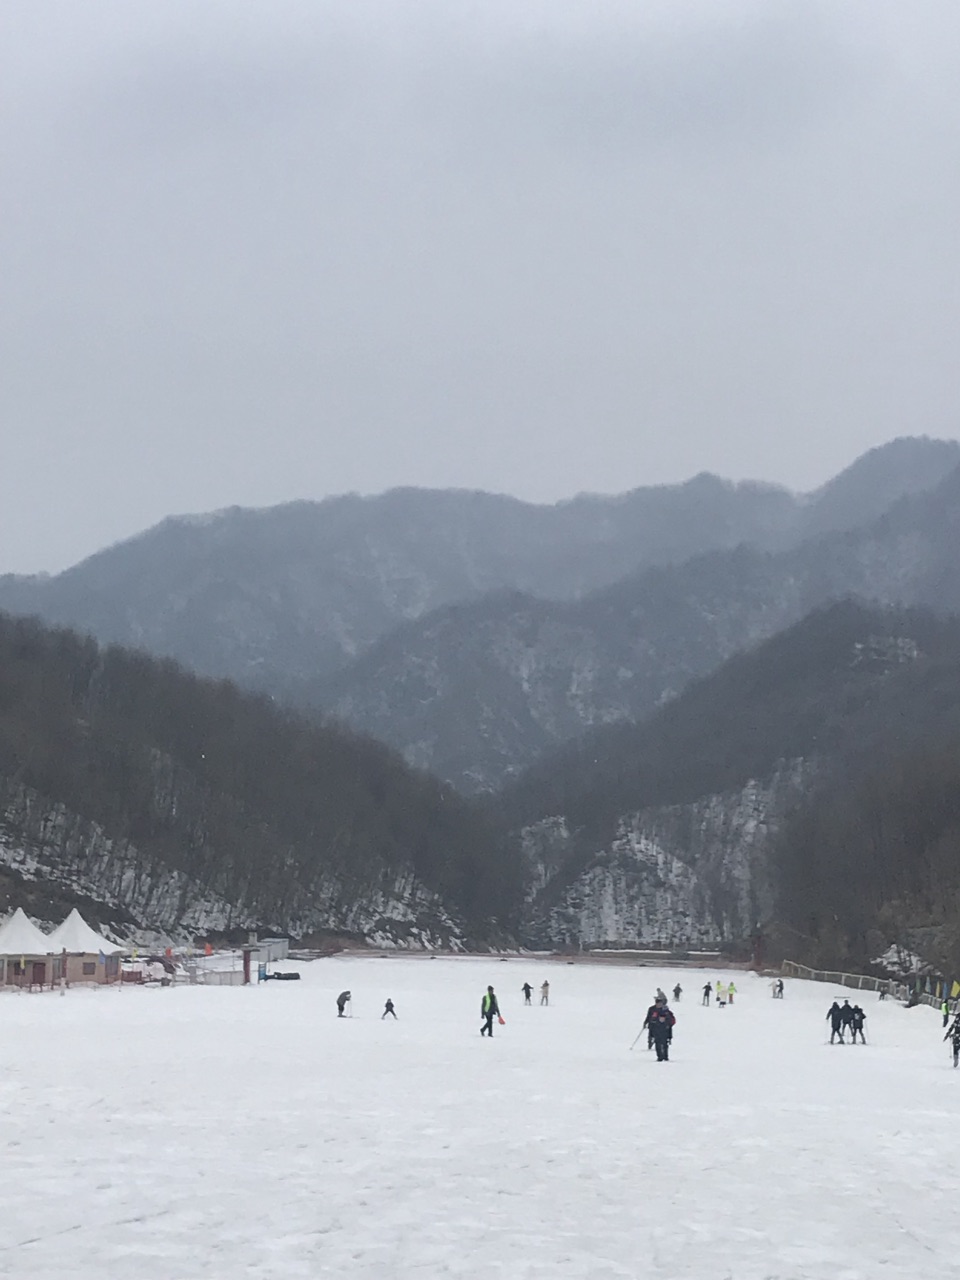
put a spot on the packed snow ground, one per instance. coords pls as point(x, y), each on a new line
point(247, 1132)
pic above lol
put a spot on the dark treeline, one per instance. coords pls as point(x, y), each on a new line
point(833, 682)
point(227, 787)
point(873, 857)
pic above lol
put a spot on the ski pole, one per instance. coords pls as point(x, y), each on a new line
point(639, 1034)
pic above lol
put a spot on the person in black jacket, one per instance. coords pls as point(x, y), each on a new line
point(660, 1023)
point(846, 1015)
point(953, 1033)
point(489, 1009)
point(707, 992)
point(835, 1018)
point(527, 992)
point(857, 1019)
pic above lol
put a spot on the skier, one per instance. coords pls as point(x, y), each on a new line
point(489, 1009)
point(857, 1019)
point(779, 991)
point(660, 1022)
point(343, 999)
point(721, 995)
point(677, 992)
point(661, 995)
point(388, 1008)
point(545, 992)
point(835, 1018)
point(731, 992)
point(954, 1034)
point(846, 1015)
point(707, 993)
point(527, 992)
point(945, 1010)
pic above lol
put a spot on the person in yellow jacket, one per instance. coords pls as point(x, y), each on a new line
point(731, 992)
point(721, 994)
point(489, 1009)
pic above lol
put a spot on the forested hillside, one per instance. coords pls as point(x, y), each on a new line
point(810, 787)
point(178, 801)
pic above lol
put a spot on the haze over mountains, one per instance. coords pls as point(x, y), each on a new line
point(394, 612)
point(655, 688)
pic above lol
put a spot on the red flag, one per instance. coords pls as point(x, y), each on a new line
point(207, 949)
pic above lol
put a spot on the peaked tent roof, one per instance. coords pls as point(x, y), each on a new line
point(20, 937)
point(76, 936)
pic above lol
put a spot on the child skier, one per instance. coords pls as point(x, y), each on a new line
point(388, 1008)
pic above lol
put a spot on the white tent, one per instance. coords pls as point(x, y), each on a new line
point(20, 937)
point(77, 938)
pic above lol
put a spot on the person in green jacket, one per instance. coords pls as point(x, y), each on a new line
point(489, 1009)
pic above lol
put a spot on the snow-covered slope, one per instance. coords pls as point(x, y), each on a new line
point(226, 1132)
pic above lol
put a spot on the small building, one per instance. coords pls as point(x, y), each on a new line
point(27, 955)
point(86, 956)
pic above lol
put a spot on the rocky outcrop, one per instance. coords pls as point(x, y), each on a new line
point(690, 875)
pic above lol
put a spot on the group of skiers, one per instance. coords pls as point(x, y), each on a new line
point(846, 1017)
point(724, 992)
point(544, 992)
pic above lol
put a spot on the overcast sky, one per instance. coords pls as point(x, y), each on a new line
point(261, 251)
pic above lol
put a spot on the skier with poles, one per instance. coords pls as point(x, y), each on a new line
point(953, 1033)
point(489, 1009)
point(343, 999)
point(660, 1022)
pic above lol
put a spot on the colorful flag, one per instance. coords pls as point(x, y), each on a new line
point(955, 990)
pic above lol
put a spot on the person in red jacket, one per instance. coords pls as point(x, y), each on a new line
point(660, 1023)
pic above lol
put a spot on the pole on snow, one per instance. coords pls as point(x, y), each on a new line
point(639, 1034)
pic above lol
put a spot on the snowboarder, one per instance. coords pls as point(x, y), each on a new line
point(527, 992)
point(953, 1034)
point(343, 999)
point(835, 1018)
point(677, 992)
point(388, 1008)
point(707, 993)
point(545, 992)
point(489, 1009)
point(857, 1019)
point(660, 1022)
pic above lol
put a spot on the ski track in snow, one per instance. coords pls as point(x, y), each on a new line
point(247, 1132)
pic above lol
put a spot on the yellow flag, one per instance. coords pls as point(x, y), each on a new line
point(955, 990)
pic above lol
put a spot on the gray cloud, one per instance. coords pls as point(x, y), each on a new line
point(256, 253)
